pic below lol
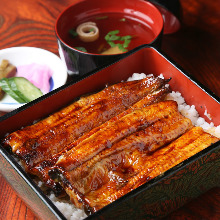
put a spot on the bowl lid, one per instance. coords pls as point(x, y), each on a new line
point(171, 11)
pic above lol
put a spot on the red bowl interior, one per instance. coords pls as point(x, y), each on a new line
point(142, 13)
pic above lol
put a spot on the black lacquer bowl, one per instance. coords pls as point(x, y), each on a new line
point(146, 29)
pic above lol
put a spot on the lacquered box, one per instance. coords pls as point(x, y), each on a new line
point(154, 199)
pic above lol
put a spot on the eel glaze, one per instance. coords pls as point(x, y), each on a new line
point(40, 141)
point(133, 169)
point(132, 161)
point(117, 152)
point(42, 168)
point(107, 144)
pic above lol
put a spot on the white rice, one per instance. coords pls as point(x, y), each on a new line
point(186, 110)
point(73, 213)
point(191, 113)
point(67, 208)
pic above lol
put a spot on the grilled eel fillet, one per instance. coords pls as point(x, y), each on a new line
point(113, 132)
point(86, 167)
point(38, 142)
point(41, 169)
point(133, 161)
point(126, 177)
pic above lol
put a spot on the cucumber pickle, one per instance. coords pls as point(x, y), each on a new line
point(21, 89)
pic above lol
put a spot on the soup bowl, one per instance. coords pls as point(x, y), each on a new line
point(124, 24)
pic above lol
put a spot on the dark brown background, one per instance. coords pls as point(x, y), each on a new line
point(195, 47)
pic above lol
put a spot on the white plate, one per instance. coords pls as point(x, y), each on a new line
point(26, 55)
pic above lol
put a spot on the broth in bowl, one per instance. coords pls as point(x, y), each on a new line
point(127, 33)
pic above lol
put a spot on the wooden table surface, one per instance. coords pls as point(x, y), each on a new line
point(195, 47)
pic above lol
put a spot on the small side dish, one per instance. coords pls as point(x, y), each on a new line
point(27, 73)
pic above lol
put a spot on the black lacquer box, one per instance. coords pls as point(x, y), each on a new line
point(154, 199)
